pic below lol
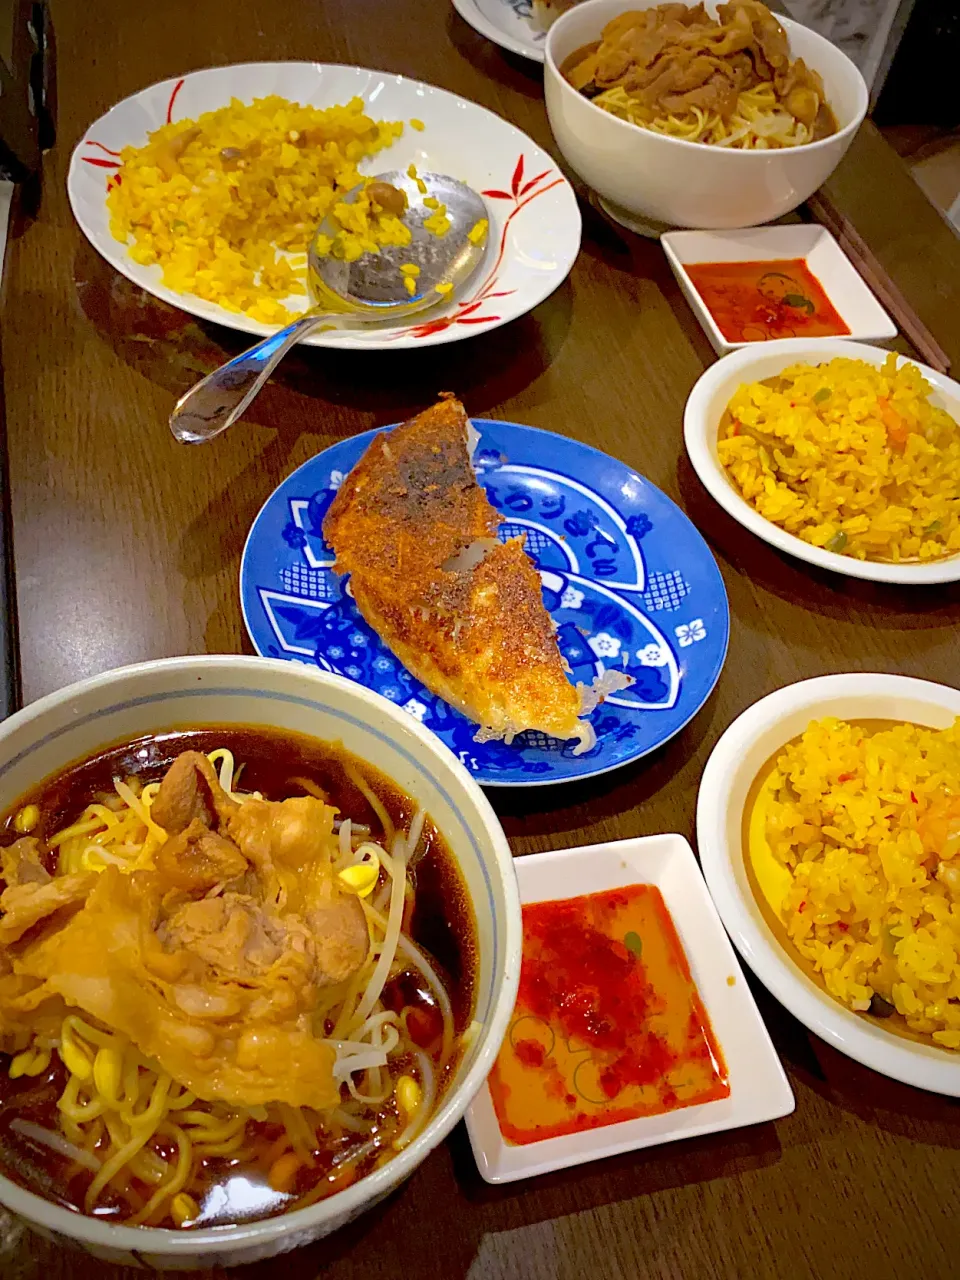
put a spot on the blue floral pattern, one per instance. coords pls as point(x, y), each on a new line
point(612, 551)
point(639, 526)
point(294, 536)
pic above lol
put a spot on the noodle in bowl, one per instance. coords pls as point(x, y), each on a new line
point(362, 1034)
point(651, 180)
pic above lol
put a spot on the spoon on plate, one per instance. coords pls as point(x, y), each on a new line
point(370, 291)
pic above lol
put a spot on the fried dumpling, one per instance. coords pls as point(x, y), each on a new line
point(462, 611)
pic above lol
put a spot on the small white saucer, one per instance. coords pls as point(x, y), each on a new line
point(759, 1089)
point(858, 308)
point(508, 23)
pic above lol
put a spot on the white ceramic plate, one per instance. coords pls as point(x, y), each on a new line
point(508, 23)
point(701, 420)
point(731, 770)
point(758, 1087)
point(858, 308)
point(534, 219)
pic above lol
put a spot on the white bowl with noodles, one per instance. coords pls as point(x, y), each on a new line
point(701, 423)
point(82, 719)
point(651, 182)
point(734, 765)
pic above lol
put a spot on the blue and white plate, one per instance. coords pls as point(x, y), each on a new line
point(626, 577)
point(508, 23)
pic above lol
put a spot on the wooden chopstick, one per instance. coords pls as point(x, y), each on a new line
point(878, 281)
point(9, 637)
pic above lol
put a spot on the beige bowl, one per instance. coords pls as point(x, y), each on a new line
point(650, 182)
point(229, 690)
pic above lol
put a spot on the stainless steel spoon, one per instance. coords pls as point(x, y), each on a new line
point(370, 291)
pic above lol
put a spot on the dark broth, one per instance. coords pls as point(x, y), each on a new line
point(273, 763)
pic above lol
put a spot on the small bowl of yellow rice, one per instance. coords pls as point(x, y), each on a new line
point(828, 824)
point(838, 453)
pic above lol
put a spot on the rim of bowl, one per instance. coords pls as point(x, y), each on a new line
point(789, 25)
point(164, 1240)
point(699, 433)
point(913, 1063)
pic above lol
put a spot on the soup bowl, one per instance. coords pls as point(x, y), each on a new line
point(734, 766)
point(174, 693)
point(651, 182)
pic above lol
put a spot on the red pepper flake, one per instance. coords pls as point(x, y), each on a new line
point(530, 1052)
point(802, 905)
point(638, 1018)
point(914, 798)
point(846, 777)
point(842, 926)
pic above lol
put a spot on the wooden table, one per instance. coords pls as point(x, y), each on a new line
point(128, 545)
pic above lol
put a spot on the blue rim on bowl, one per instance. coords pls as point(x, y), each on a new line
point(81, 719)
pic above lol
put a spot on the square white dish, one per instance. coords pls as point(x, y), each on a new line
point(759, 1089)
point(859, 309)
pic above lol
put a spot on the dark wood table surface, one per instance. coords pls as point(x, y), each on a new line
point(128, 546)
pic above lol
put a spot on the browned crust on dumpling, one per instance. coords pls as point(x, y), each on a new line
point(478, 635)
point(412, 501)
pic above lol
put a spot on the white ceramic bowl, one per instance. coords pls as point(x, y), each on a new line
point(701, 420)
point(863, 315)
point(79, 720)
point(759, 1090)
point(736, 761)
point(651, 182)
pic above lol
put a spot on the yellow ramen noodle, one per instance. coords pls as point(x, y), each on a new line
point(758, 122)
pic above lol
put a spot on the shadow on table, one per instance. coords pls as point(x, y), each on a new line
point(618, 1178)
point(618, 794)
point(511, 70)
point(902, 608)
point(209, 541)
point(641, 257)
point(897, 1108)
point(174, 350)
point(874, 1099)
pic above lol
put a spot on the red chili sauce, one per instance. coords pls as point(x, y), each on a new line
point(608, 1025)
point(756, 301)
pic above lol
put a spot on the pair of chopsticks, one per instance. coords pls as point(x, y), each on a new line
point(875, 277)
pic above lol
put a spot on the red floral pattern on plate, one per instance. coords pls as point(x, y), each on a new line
point(114, 163)
point(520, 193)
